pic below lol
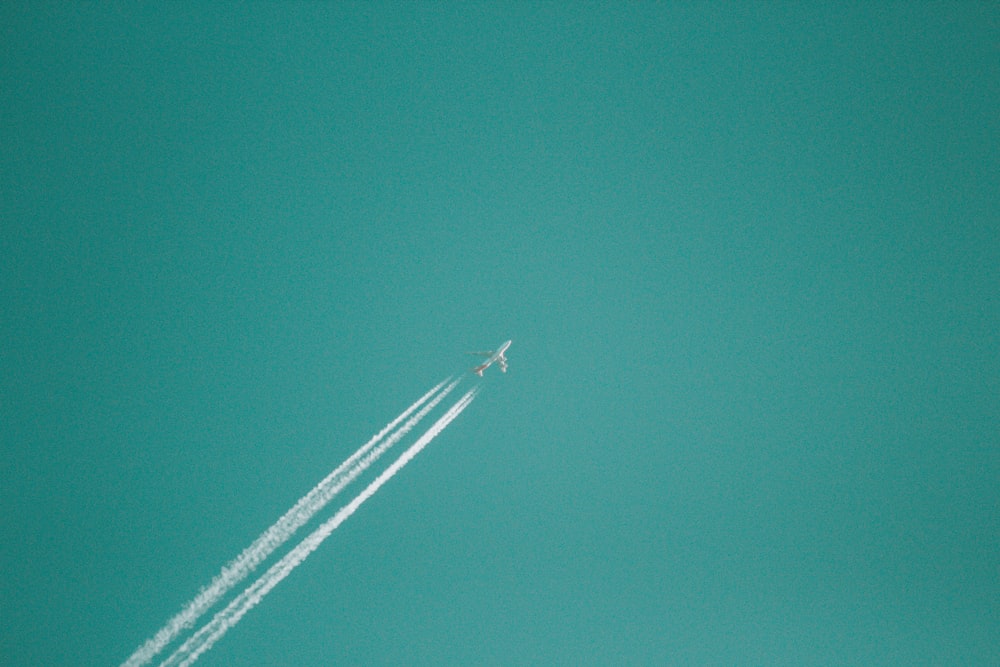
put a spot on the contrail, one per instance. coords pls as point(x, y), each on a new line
point(210, 633)
point(345, 473)
point(272, 538)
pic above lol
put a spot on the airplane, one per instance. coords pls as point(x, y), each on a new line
point(492, 356)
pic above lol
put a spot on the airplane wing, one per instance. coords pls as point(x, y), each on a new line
point(487, 354)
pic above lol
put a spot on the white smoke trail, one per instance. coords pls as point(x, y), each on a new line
point(205, 638)
point(345, 473)
point(236, 570)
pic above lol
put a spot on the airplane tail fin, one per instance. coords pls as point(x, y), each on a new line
point(478, 370)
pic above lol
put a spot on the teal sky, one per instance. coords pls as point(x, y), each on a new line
point(748, 253)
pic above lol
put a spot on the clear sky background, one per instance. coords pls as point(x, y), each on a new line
point(748, 253)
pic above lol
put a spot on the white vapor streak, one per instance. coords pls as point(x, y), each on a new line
point(236, 570)
point(225, 619)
